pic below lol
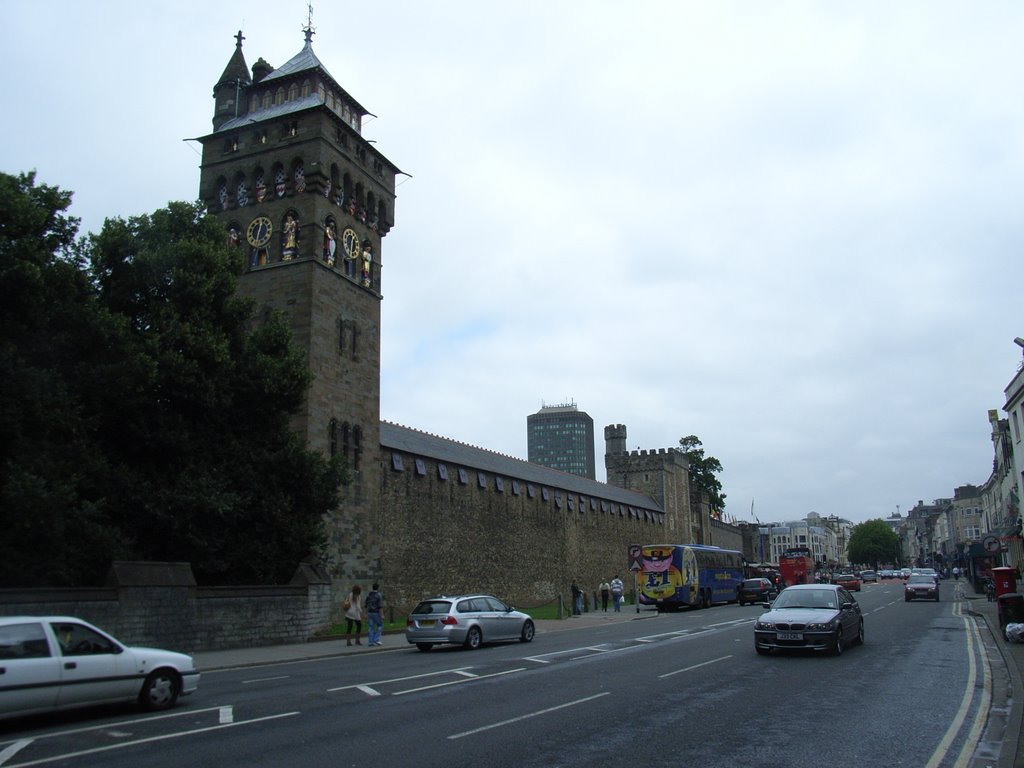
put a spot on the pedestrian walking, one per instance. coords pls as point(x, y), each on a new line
point(353, 615)
point(577, 600)
point(606, 590)
point(617, 588)
point(374, 616)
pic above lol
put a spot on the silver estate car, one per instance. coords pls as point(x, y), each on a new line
point(818, 617)
point(468, 620)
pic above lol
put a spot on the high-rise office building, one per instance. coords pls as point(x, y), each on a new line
point(562, 437)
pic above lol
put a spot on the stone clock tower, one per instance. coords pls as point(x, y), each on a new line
point(308, 201)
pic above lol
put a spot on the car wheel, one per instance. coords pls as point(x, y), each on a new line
point(837, 644)
point(160, 690)
point(527, 634)
point(473, 638)
point(860, 633)
point(424, 646)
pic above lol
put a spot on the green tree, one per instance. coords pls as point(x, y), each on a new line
point(704, 471)
point(144, 414)
point(873, 542)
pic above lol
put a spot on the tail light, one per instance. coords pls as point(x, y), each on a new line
point(449, 621)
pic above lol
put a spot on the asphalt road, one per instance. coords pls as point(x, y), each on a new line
point(683, 689)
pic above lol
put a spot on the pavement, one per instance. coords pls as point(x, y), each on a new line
point(1002, 732)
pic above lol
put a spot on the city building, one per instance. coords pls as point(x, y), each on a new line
point(561, 437)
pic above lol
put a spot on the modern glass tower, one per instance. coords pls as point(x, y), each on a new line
point(562, 437)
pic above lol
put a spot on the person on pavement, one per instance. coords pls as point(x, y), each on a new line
point(617, 589)
point(577, 599)
point(374, 616)
point(606, 590)
point(353, 615)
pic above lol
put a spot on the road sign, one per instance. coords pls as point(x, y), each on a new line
point(635, 558)
point(990, 544)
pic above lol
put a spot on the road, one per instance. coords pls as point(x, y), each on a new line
point(676, 689)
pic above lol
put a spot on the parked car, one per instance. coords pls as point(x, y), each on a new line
point(866, 576)
point(817, 617)
point(847, 580)
point(468, 620)
point(60, 662)
point(921, 586)
point(756, 591)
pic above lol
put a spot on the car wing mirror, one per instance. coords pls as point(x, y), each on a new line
point(847, 606)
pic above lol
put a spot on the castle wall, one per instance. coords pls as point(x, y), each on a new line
point(483, 531)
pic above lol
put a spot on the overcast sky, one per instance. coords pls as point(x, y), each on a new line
point(791, 229)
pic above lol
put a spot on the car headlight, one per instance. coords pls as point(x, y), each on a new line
point(764, 625)
point(822, 626)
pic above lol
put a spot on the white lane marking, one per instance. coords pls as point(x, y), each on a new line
point(14, 749)
point(527, 716)
point(466, 673)
point(265, 679)
point(150, 740)
point(456, 682)
point(398, 679)
point(367, 690)
point(696, 666)
point(227, 714)
point(734, 621)
point(152, 718)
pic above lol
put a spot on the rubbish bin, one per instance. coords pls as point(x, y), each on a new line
point(1010, 609)
point(1005, 579)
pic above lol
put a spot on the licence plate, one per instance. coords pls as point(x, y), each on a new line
point(427, 623)
point(790, 636)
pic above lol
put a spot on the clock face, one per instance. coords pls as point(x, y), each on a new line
point(350, 244)
point(258, 233)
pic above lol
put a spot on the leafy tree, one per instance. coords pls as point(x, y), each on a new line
point(704, 471)
point(873, 542)
point(143, 415)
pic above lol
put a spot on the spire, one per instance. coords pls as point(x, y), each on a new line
point(227, 93)
point(309, 29)
point(236, 72)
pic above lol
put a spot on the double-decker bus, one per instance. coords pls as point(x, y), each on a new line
point(796, 566)
point(676, 575)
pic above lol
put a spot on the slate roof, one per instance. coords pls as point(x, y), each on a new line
point(417, 443)
point(269, 113)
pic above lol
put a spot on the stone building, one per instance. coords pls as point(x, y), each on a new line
point(309, 201)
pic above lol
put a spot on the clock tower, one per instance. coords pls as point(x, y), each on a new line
point(308, 202)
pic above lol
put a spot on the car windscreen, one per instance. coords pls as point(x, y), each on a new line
point(921, 578)
point(752, 584)
point(433, 606)
point(805, 598)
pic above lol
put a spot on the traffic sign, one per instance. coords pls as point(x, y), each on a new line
point(990, 544)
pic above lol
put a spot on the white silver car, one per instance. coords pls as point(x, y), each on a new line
point(60, 662)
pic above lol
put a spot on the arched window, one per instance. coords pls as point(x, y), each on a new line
point(346, 439)
point(293, 92)
point(357, 447)
point(267, 99)
point(279, 95)
point(332, 437)
point(241, 189)
point(299, 176)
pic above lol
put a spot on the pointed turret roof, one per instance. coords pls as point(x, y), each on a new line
point(237, 71)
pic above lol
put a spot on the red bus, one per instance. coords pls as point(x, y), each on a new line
point(796, 566)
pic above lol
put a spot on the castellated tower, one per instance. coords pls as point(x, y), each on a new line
point(663, 475)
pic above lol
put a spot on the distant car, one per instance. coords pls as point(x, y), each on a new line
point(847, 580)
point(468, 620)
point(905, 573)
point(756, 591)
point(921, 586)
point(866, 576)
point(60, 662)
point(818, 617)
